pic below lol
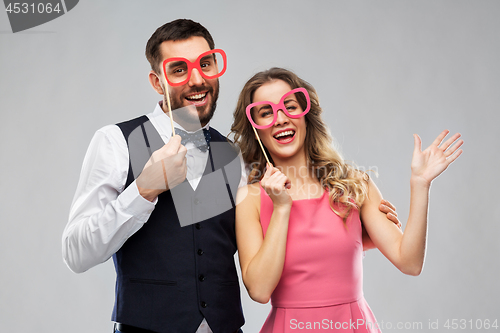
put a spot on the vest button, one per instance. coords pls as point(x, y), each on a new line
point(203, 304)
point(201, 277)
point(198, 226)
point(196, 201)
point(200, 252)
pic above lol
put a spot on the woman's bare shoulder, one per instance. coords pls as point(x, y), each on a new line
point(249, 194)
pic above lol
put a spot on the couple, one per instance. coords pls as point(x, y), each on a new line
point(298, 231)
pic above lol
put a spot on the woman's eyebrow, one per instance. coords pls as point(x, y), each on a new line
point(264, 107)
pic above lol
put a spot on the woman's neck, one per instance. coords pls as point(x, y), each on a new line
point(296, 168)
point(304, 184)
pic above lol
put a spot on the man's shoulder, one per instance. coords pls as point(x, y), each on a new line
point(130, 125)
point(119, 132)
point(218, 136)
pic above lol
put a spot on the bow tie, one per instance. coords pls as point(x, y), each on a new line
point(200, 139)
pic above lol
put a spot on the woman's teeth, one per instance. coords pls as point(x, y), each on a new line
point(285, 133)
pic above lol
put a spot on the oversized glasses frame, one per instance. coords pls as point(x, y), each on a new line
point(279, 106)
point(196, 64)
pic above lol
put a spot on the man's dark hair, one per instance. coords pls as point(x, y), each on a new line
point(176, 30)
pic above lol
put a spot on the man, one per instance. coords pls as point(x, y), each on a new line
point(169, 278)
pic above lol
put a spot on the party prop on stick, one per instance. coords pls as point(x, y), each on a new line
point(177, 71)
point(295, 104)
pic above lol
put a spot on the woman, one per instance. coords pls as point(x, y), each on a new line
point(299, 229)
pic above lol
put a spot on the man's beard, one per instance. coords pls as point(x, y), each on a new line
point(201, 117)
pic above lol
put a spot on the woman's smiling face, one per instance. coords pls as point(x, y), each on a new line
point(286, 137)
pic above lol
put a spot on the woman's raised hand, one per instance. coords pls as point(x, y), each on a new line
point(428, 164)
point(275, 183)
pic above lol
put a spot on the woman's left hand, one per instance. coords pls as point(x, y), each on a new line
point(428, 164)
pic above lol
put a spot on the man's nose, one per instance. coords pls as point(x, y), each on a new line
point(196, 79)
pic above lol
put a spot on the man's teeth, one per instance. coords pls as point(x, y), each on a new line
point(285, 133)
point(197, 96)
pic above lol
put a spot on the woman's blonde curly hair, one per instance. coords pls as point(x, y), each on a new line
point(347, 185)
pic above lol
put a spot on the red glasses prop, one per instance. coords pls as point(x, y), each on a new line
point(264, 114)
point(210, 65)
point(177, 71)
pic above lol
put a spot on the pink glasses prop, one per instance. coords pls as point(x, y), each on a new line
point(264, 114)
point(210, 65)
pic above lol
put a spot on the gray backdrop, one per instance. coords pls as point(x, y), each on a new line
point(383, 69)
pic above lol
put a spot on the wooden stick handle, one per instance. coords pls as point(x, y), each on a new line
point(169, 107)
point(261, 146)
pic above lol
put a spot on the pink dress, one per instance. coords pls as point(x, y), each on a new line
point(321, 287)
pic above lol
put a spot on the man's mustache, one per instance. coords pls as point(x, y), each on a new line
point(198, 90)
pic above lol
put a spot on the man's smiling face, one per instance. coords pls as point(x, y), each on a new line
point(198, 96)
